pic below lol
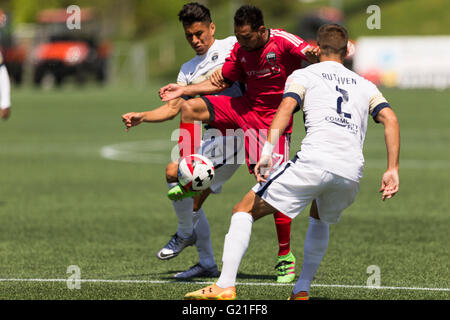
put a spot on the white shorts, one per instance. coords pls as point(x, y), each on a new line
point(295, 185)
point(222, 152)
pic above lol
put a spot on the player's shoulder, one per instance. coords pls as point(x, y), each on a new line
point(189, 65)
point(305, 72)
point(225, 44)
point(281, 35)
point(231, 40)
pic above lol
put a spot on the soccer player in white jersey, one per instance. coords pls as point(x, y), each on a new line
point(5, 91)
point(336, 103)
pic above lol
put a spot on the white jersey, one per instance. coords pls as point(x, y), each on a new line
point(336, 104)
point(200, 68)
point(5, 87)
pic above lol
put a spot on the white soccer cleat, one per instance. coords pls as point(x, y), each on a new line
point(175, 246)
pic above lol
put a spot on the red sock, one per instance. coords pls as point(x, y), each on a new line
point(283, 226)
point(190, 137)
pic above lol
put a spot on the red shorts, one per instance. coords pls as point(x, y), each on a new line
point(229, 114)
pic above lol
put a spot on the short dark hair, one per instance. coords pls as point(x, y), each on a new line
point(332, 39)
point(194, 12)
point(249, 15)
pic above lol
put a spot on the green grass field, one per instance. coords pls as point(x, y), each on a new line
point(62, 204)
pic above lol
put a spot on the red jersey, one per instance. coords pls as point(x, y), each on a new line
point(265, 70)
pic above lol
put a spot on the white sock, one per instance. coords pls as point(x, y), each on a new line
point(203, 244)
point(316, 244)
point(236, 243)
point(183, 209)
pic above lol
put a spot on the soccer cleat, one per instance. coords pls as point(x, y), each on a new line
point(198, 271)
point(179, 193)
point(302, 295)
point(286, 268)
point(175, 246)
point(212, 293)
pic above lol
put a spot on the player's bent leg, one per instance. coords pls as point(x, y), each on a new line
point(286, 263)
point(285, 266)
point(185, 235)
point(194, 110)
point(172, 172)
point(254, 205)
point(200, 199)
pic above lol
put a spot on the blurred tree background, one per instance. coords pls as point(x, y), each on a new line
point(151, 27)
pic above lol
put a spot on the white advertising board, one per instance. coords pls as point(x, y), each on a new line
point(404, 62)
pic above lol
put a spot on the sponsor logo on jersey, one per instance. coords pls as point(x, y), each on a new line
point(243, 60)
point(262, 72)
point(271, 58)
point(215, 56)
point(343, 122)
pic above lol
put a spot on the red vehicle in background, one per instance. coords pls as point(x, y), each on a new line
point(64, 52)
point(13, 54)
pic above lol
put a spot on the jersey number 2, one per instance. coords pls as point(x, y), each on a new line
point(342, 98)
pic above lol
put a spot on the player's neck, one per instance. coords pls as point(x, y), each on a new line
point(335, 58)
point(212, 42)
point(264, 39)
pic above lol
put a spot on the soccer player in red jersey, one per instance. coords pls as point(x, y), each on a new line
point(262, 59)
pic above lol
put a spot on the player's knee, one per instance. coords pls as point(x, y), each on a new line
point(313, 211)
point(172, 172)
point(237, 208)
point(187, 112)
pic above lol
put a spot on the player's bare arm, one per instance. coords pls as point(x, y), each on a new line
point(165, 112)
point(277, 127)
point(390, 180)
point(173, 91)
point(312, 54)
point(217, 79)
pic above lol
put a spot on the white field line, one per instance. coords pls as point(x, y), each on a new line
point(237, 283)
point(158, 152)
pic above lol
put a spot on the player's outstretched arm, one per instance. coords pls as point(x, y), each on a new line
point(173, 91)
point(165, 112)
point(390, 180)
point(277, 128)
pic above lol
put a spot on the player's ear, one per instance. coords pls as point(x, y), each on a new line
point(262, 30)
point(212, 28)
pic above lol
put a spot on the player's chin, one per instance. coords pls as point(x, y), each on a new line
point(200, 50)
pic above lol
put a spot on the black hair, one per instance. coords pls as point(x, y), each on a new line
point(249, 15)
point(194, 12)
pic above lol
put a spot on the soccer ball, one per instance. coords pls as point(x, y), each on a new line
point(196, 172)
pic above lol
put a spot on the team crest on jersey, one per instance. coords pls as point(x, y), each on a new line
point(271, 58)
point(215, 56)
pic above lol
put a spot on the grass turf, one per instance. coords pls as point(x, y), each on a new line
point(62, 203)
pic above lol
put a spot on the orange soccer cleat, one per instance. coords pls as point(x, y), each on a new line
point(212, 293)
point(302, 295)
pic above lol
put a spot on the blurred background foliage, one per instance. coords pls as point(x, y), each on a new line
point(154, 25)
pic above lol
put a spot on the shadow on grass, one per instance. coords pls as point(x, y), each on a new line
point(169, 275)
